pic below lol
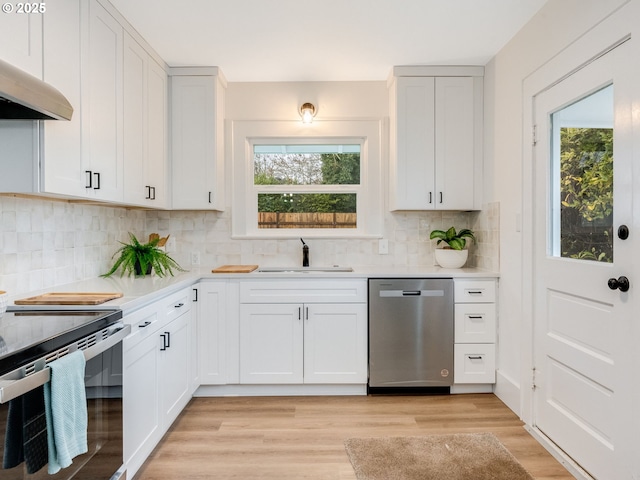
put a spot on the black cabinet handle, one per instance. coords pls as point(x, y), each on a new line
point(153, 193)
point(440, 197)
point(209, 197)
point(475, 357)
point(148, 197)
point(97, 175)
point(196, 291)
point(430, 197)
point(166, 340)
point(180, 305)
point(475, 317)
point(89, 179)
point(307, 312)
point(145, 324)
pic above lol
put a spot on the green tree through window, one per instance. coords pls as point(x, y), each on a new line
point(586, 188)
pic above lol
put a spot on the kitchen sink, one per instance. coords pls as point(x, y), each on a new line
point(304, 269)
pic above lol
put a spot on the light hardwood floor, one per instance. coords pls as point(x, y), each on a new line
point(301, 438)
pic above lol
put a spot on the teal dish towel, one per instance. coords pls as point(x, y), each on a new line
point(66, 411)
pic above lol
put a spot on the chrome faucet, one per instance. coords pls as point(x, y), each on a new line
point(305, 254)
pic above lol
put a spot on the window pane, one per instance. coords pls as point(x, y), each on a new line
point(307, 210)
point(585, 199)
point(306, 164)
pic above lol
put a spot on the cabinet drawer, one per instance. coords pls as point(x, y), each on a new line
point(475, 291)
point(176, 304)
point(304, 291)
point(475, 323)
point(474, 363)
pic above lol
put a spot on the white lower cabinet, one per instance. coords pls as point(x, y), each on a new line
point(475, 332)
point(212, 332)
point(319, 340)
point(156, 383)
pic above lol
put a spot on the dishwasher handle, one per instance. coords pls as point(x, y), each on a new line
point(412, 293)
point(11, 387)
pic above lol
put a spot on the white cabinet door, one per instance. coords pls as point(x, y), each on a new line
point(141, 399)
point(271, 343)
point(212, 333)
point(145, 127)
point(412, 144)
point(21, 39)
point(335, 343)
point(62, 166)
point(157, 160)
point(197, 174)
point(102, 105)
point(455, 140)
point(174, 366)
point(135, 120)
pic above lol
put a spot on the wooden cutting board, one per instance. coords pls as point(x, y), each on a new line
point(234, 269)
point(69, 298)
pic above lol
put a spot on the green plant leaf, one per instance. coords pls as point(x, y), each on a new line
point(144, 254)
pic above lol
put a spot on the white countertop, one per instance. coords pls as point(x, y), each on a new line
point(140, 291)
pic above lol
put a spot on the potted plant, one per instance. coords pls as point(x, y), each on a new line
point(454, 255)
point(140, 258)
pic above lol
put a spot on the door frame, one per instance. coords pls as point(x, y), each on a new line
point(602, 38)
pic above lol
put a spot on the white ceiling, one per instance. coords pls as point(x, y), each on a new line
point(325, 40)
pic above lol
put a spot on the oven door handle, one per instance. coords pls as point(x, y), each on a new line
point(13, 388)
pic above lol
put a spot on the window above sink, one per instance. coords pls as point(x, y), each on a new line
point(321, 180)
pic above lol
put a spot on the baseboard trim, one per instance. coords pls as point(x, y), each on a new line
point(508, 391)
point(278, 390)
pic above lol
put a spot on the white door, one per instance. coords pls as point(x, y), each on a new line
point(583, 327)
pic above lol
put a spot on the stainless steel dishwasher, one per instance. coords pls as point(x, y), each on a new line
point(410, 335)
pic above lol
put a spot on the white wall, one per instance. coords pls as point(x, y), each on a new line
point(557, 25)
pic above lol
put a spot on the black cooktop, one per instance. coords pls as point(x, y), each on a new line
point(26, 335)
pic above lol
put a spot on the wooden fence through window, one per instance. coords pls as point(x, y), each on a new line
point(306, 220)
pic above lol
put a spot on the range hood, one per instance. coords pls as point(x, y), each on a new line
point(25, 97)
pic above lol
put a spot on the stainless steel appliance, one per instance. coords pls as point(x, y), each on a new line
point(410, 335)
point(23, 96)
point(29, 341)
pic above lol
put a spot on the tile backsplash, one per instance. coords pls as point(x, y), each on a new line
point(45, 243)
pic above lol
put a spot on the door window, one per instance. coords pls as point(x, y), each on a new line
point(582, 178)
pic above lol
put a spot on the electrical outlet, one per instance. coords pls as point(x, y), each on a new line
point(195, 258)
point(383, 246)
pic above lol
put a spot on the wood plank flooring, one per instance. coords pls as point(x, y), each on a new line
point(301, 438)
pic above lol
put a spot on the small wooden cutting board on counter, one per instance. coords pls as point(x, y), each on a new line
point(234, 269)
point(69, 298)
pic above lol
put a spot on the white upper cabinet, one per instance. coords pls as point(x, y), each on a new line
point(62, 168)
point(102, 61)
point(197, 129)
point(436, 138)
point(145, 127)
point(21, 38)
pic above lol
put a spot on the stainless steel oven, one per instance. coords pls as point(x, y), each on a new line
point(29, 342)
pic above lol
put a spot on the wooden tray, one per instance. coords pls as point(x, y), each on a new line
point(234, 269)
point(69, 298)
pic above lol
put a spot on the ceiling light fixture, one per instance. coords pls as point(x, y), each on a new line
point(307, 112)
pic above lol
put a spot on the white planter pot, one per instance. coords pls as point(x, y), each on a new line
point(449, 258)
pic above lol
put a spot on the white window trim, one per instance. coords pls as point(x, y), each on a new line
point(368, 133)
